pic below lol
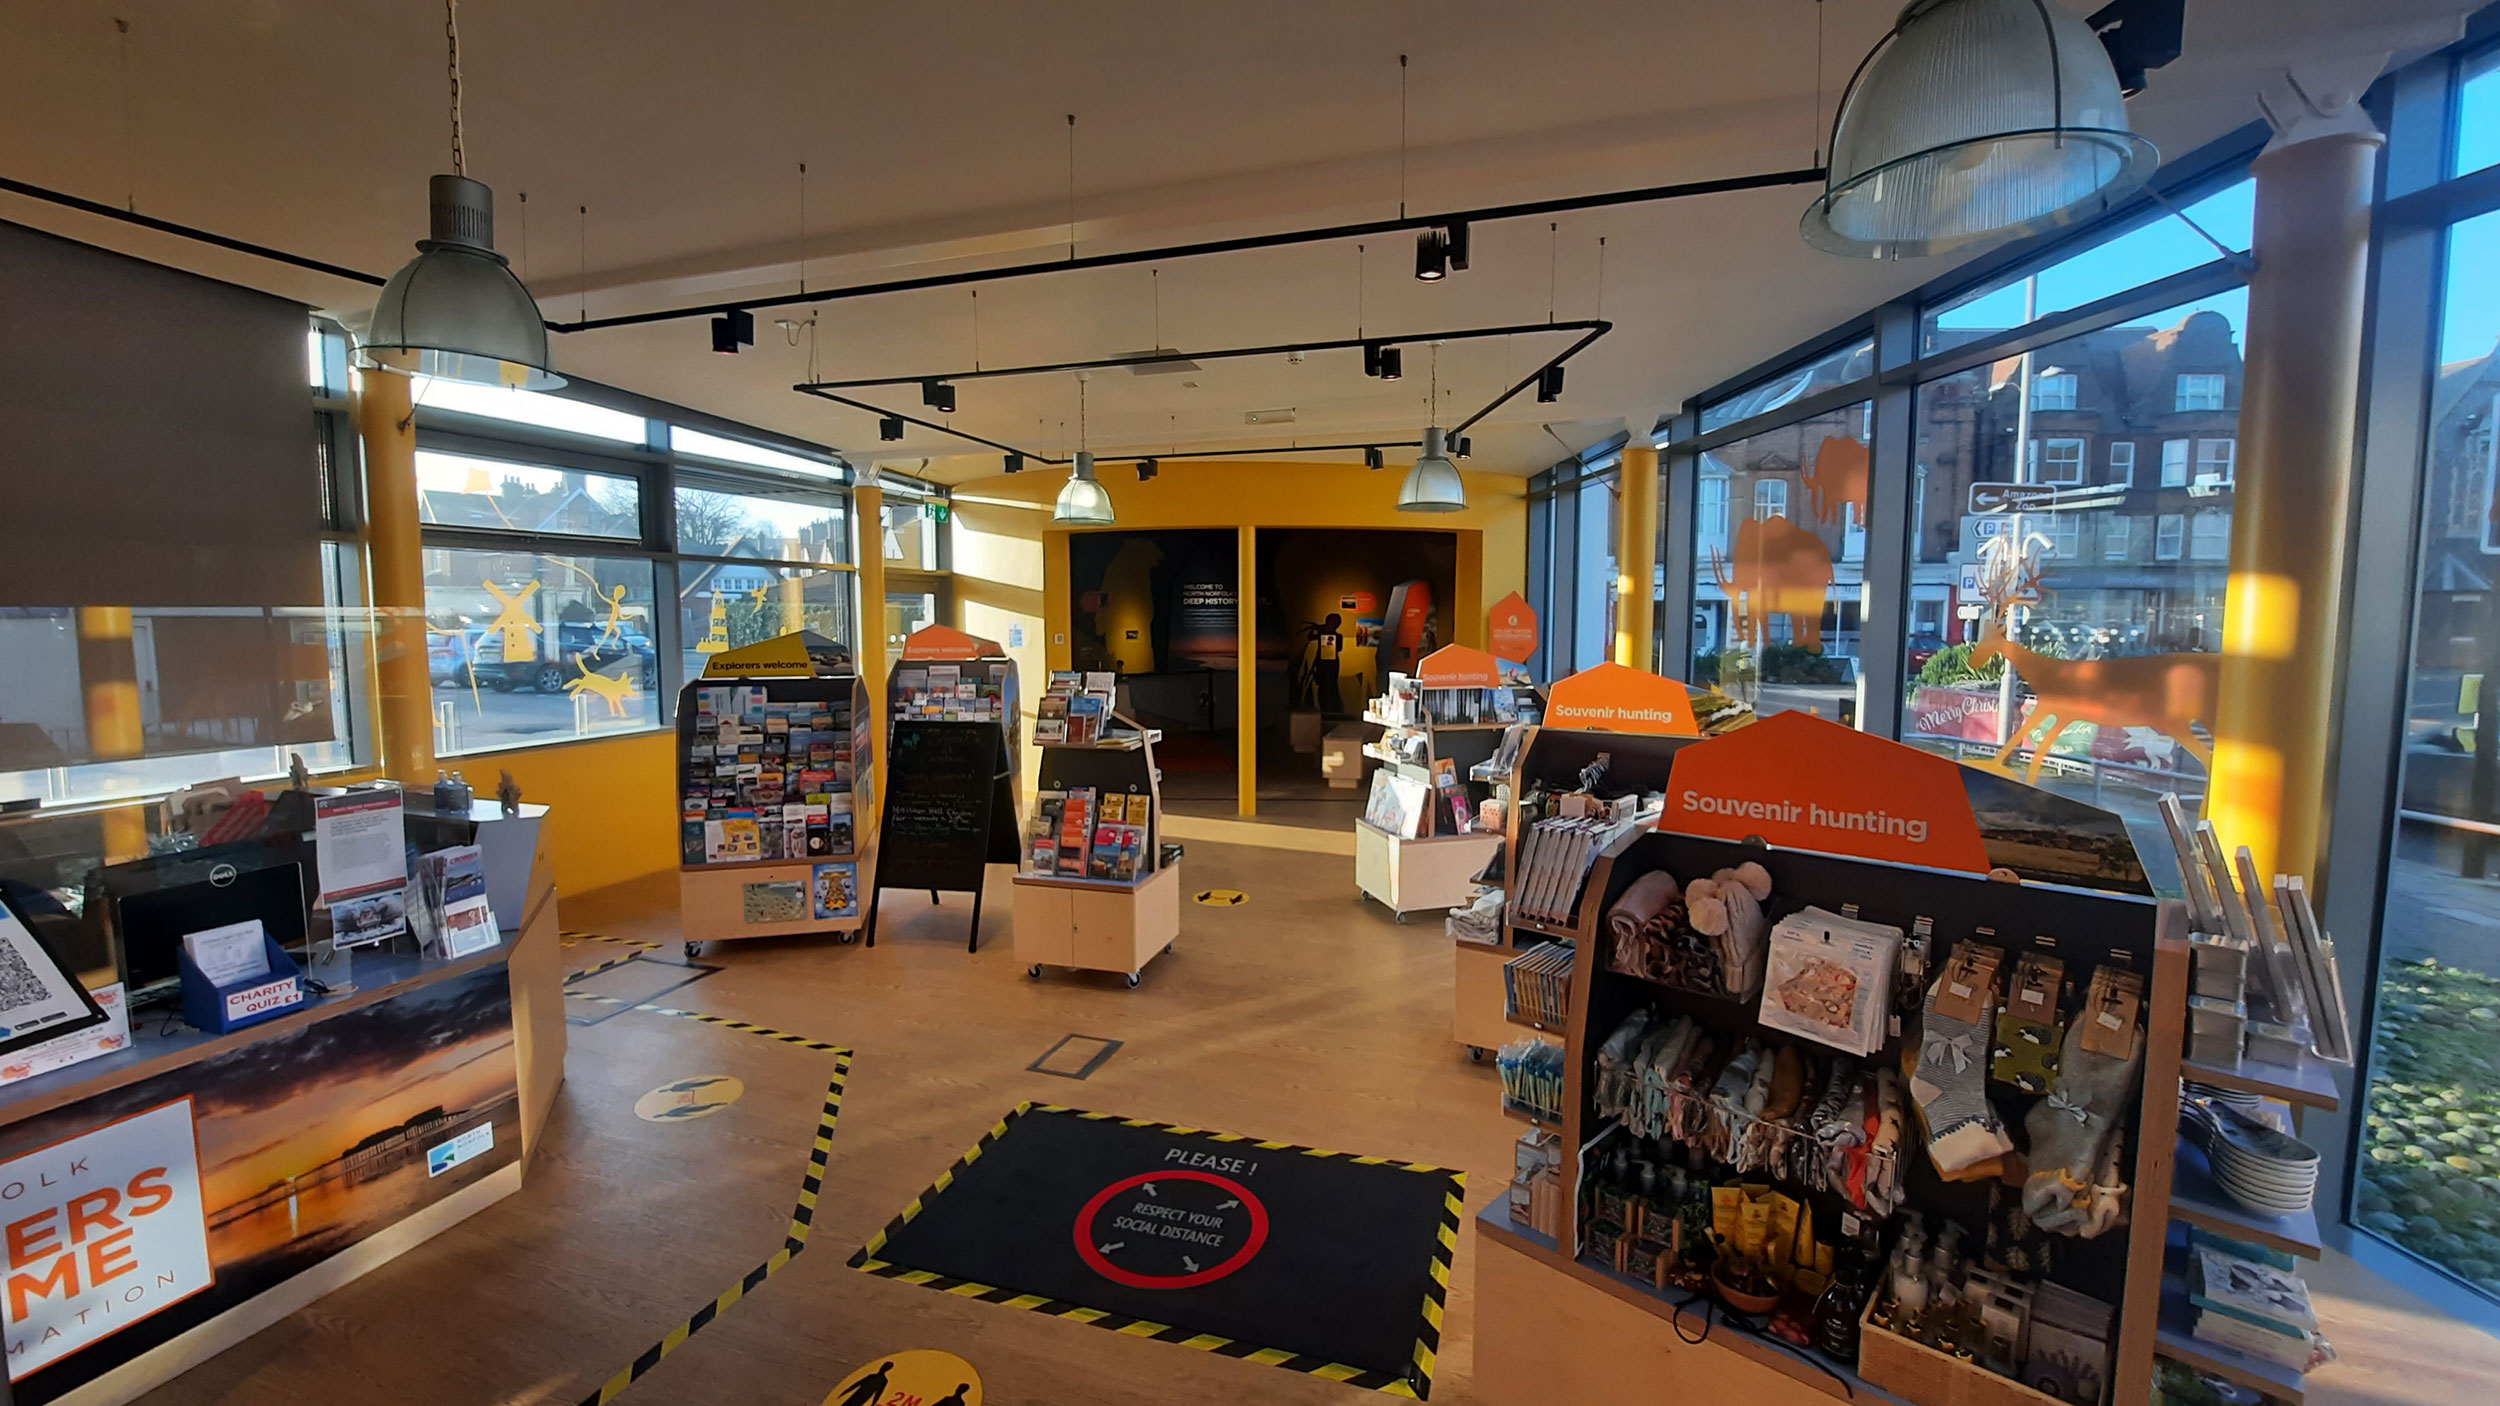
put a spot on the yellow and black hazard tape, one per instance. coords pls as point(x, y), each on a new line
point(1415, 1382)
point(744, 1027)
point(571, 938)
point(802, 1220)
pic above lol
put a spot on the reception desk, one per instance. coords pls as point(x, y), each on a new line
point(163, 1202)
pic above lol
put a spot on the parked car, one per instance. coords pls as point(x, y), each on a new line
point(447, 656)
point(587, 642)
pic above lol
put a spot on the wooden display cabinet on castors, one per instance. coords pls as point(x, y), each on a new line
point(1096, 924)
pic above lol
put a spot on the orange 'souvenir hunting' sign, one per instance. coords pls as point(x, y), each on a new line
point(1617, 698)
point(1803, 783)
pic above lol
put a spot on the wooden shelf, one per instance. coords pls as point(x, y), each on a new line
point(1544, 929)
point(2176, 1342)
point(2197, 1199)
point(1515, 1112)
point(2309, 1083)
point(1078, 881)
point(1554, 1030)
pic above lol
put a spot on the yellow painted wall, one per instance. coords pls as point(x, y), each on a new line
point(612, 803)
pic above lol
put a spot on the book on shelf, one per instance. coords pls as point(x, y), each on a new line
point(1075, 830)
point(1041, 839)
point(1050, 721)
point(1537, 983)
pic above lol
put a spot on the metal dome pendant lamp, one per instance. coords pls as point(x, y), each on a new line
point(1083, 501)
point(1973, 120)
point(455, 311)
point(1433, 485)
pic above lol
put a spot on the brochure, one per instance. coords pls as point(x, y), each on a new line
point(230, 954)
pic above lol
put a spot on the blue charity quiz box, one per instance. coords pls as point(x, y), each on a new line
point(218, 1009)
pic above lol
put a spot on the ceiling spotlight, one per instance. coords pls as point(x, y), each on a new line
point(2031, 133)
point(889, 428)
point(1371, 358)
point(1433, 485)
point(732, 330)
point(939, 396)
point(1146, 469)
point(1372, 458)
point(1082, 501)
point(1294, 357)
point(1432, 256)
point(1015, 463)
point(1549, 385)
point(1461, 447)
point(1392, 363)
point(1454, 236)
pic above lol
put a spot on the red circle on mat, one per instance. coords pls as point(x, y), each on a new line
point(1101, 1265)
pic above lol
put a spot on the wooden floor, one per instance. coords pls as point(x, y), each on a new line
point(1303, 1016)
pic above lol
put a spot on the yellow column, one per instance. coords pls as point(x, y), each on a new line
point(868, 503)
point(2272, 726)
point(1636, 557)
point(1468, 586)
point(1246, 671)
point(395, 557)
point(108, 675)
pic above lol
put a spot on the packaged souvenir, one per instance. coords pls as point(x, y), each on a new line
point(1829, 979)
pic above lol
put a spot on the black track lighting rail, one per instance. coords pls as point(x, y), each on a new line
point(196, 235)
point(1114, 363)
point(1590, 331)
point(1284, 239)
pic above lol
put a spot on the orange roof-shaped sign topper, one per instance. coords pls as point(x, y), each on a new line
point(1801, 782)
point(1457, 666)
point(1616, 698)
point(1511, 629)
point(945, 642)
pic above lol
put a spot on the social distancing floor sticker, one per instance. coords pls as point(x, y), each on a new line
point(1297, 1257)
point(682, 1100)
point(914, 1377)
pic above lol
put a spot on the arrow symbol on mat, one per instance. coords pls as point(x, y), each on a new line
point(1229, 1204)
point(1193, 1264)
point(1116, 1244)
point(1150, 1190)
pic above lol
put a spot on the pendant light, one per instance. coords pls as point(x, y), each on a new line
point(455, 311)
point(1971, 120)
point(1083, 501)
point(1433, 485)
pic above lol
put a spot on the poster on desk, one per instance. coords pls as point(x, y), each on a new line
point(323, 1131)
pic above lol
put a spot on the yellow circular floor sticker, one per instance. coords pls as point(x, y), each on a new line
point(917, 1377)
point(1223, 898)
point(681, 1099)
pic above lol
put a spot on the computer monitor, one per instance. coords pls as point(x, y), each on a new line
point(153, 923)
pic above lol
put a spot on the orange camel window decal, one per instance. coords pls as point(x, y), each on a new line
point(1778, 568)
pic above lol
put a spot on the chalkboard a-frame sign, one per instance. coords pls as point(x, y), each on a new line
point(949, 812)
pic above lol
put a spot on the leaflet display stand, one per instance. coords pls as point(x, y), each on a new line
point(772, 835)
point(1118, 906)
point(1828, 815)
point(1410, 853)
point(950, 798)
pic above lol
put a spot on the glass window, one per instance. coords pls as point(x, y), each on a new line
point(906, 611)
point(2156, 249)
point(2478, 117)
point(1710, 527)
point(538, 408)
point(1593, 603)
point(1837, 368)
point(2214, 460)
point(2052, 583)
point(2424, 1160)
point(529, 647)
point(794, 526)
point(2122, 461)
point(700, 445)
point(2200, 391)
point(2057, 461)
point(2054, 390)
point(1775, 612)
point(2212, 541)
point(731, 604)
point(462, 490)
point(2174, 463)
point(910, 534)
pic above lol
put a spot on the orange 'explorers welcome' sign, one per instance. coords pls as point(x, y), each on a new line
point(1803, 783)
point(1617, 698)
point(946, 642)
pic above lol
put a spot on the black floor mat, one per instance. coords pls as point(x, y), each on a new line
point(1315, 1261)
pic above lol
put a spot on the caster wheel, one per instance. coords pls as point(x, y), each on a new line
point(846, 938)
point(1401, 920)
point(1475, 1054)
point(693, 950)
point(1034, 971)
point(1133, 978)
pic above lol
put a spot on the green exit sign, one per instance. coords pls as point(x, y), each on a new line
point(938, 511)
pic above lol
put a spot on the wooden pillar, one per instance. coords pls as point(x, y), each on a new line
point(395, 559)
point(869, 649)
point(108, 679)
point(1246, 672)
point(2293, 502)
point(1636, 557)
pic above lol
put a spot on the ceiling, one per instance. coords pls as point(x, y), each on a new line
point(936, 139)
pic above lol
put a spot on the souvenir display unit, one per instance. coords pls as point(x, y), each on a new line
point(1425, 833)
point(775, 776)
point(1887, 1123)
point(1096, 888)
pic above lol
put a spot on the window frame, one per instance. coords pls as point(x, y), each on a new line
point(2177, 469)
point(2117, 538)
point(2215, 381)
point(2082, 460)
point(2170, 529)
point(2122, 473)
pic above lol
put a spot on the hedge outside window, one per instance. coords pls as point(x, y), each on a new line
point(528, 647)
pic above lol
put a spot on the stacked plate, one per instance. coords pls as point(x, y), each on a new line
point(2242, 1099)
point(2256, 1165)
